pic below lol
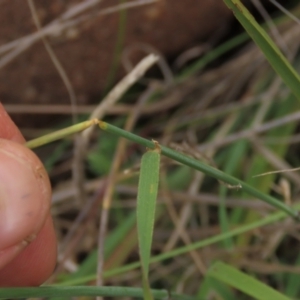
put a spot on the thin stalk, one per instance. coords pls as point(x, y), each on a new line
point(57, 135)
point(188, 161)
point(197, 165)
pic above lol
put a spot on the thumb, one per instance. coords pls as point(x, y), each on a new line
point(24, 198)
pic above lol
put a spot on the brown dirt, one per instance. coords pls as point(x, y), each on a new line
point(86, 51)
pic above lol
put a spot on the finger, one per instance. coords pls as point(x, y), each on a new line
point(25, 195)
point(28, 252)
point(8, 129)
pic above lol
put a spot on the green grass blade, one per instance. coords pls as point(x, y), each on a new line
point(118, 49)
point(272, 218)
point(146, 202)
point(292, 288)
point(211, 56)
point(237, 152)
point(243, 282)
point(77, 291)
point(272, 53)
point(220, 290)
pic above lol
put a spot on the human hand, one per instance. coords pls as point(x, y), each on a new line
point(27, 238)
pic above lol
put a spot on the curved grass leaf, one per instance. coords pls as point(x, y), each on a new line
point(243, 282)
point(272, 53)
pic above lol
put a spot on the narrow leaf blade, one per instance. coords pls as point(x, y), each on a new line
point(272, 53)
point(146, 202)
point(243, 282)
